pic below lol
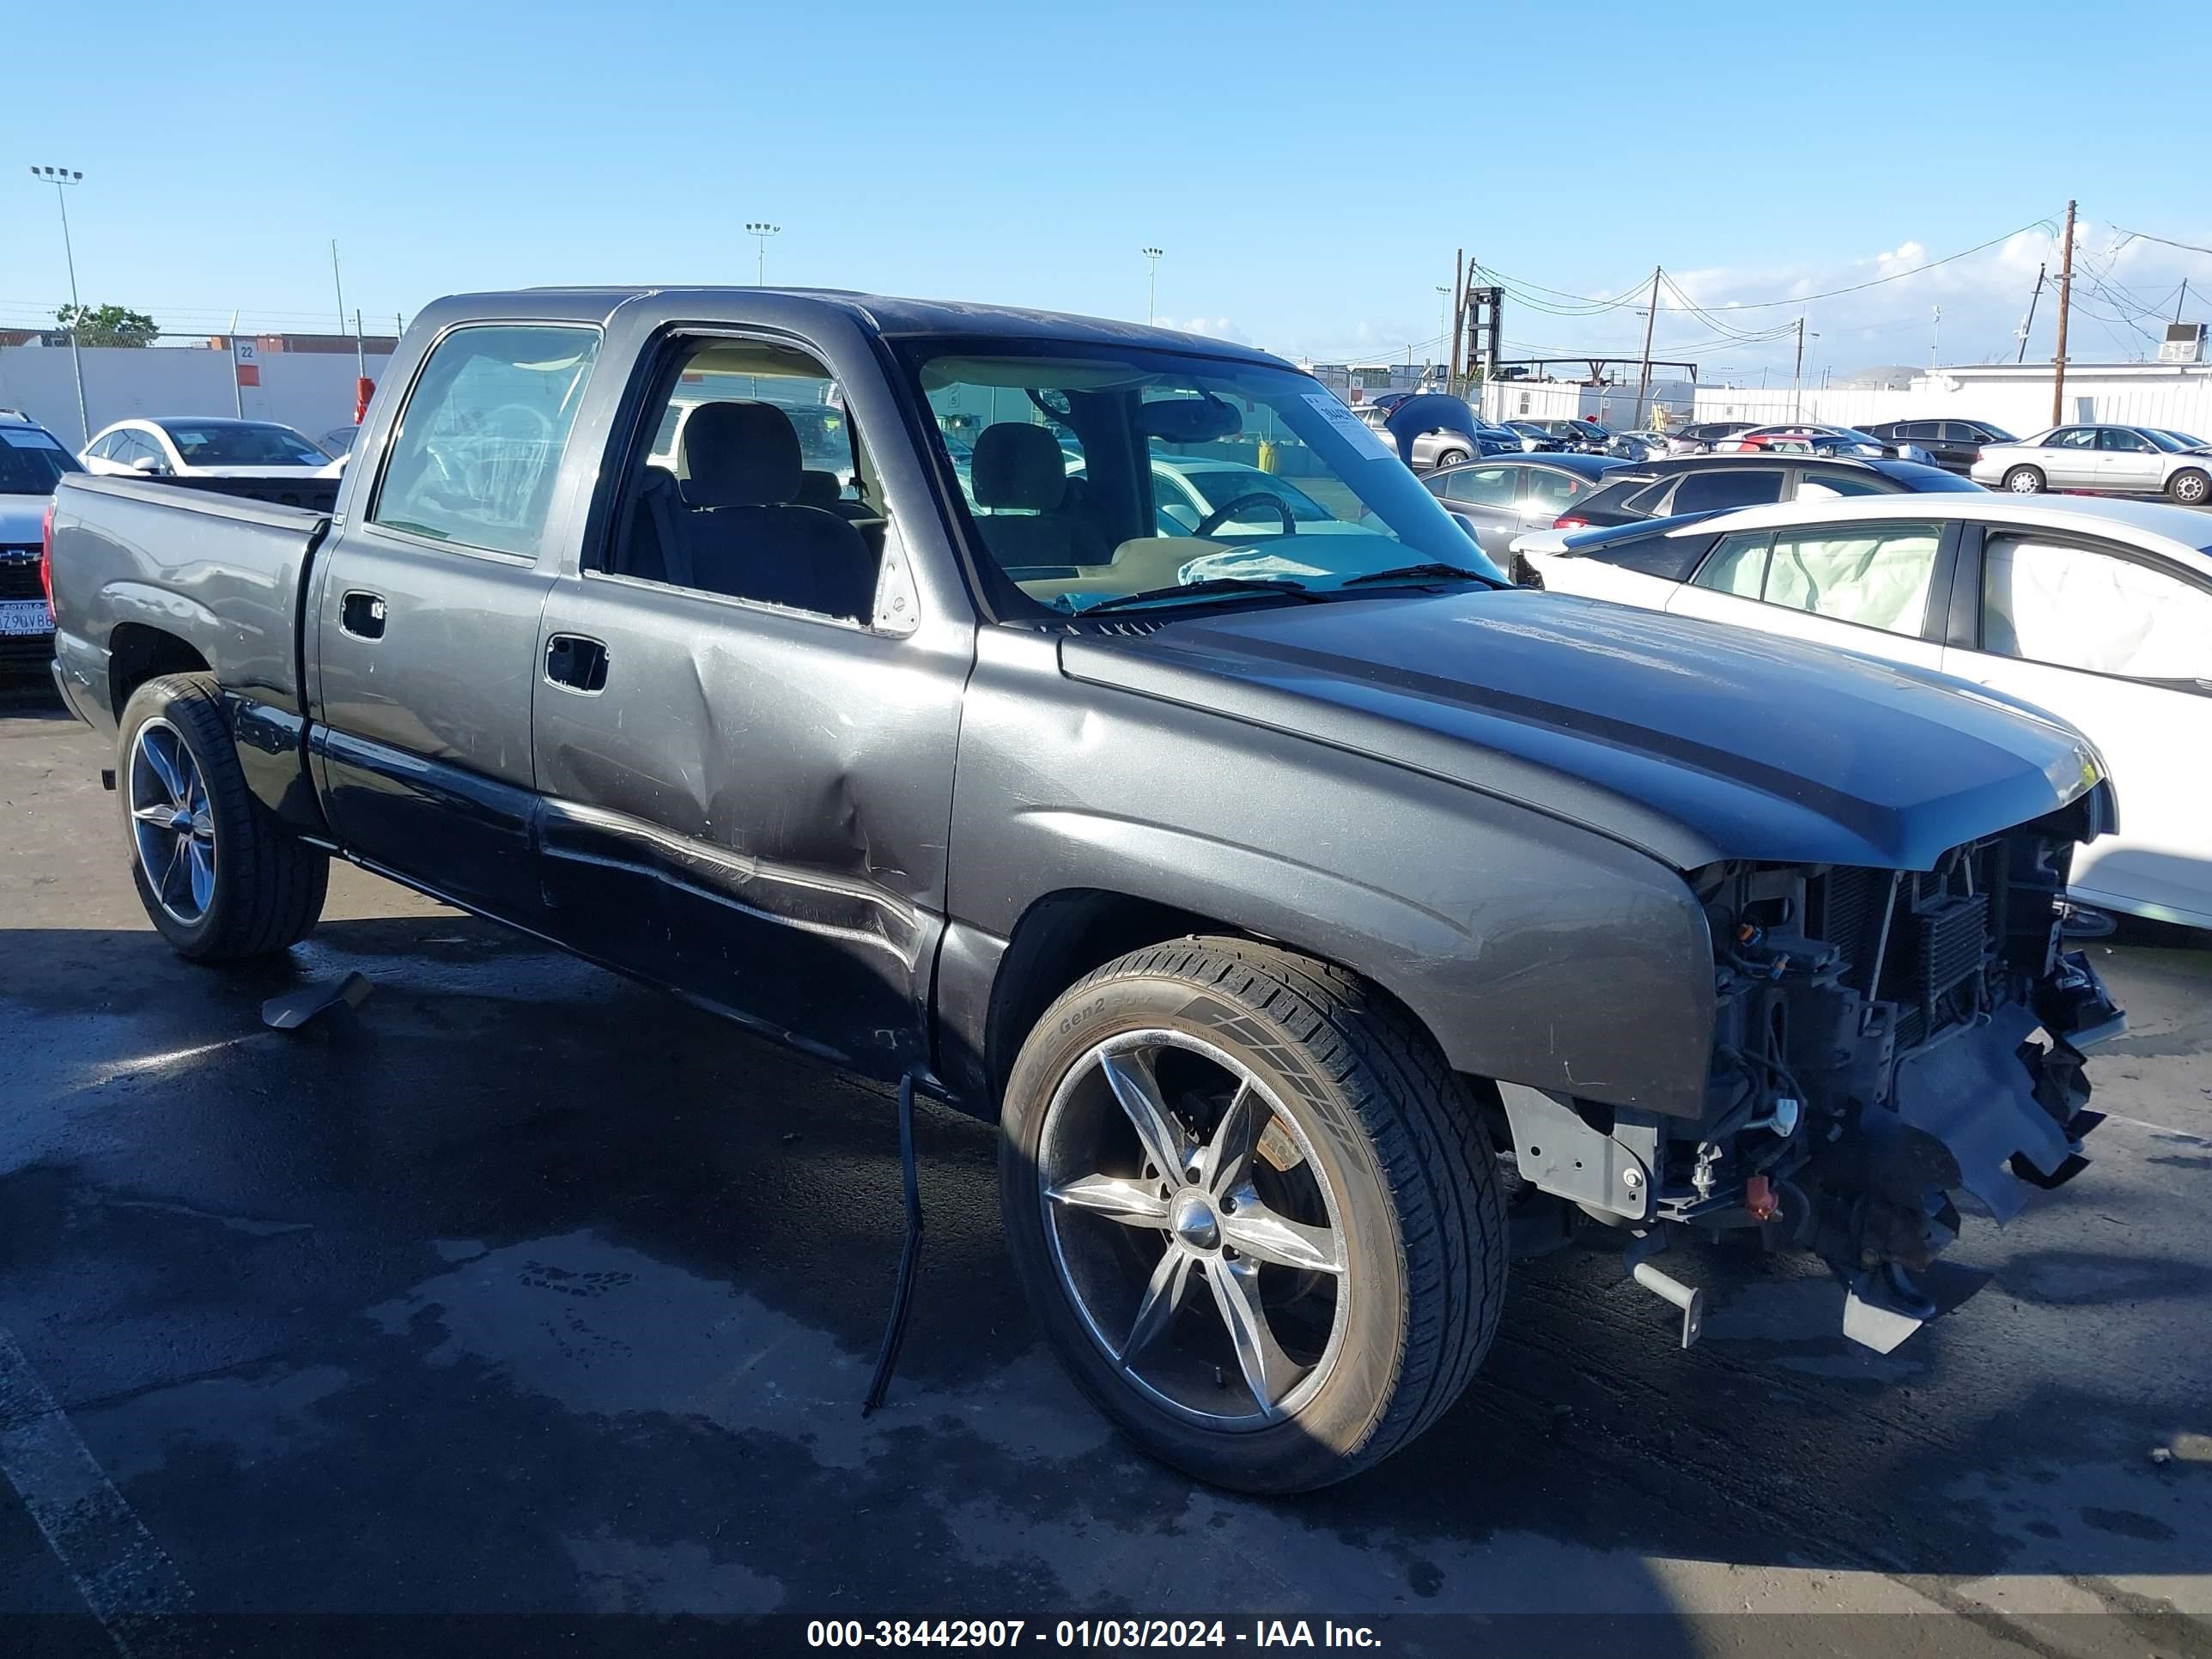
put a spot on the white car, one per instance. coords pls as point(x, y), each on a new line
point(2097, 611)
point(177, 447)
point(2134, 460)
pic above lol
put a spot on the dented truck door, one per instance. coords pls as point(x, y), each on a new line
point(742, 798)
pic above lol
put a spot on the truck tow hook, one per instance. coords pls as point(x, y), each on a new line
point(1691, 1301)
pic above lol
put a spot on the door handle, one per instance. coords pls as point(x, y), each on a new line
point(576, 663)
point(362, 615)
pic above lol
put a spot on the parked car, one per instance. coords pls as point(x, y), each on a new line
point(1699, 436)
point(1712, 484)
point(1648, 444)
point(1463, 438)
point(2123, 460)
point(185, 447)
point(1535, 439)
point(1586, 436)
point(1804, 439)
point(1320, 917)
point(1952, 444)
point(1502, 498)
point(32, 462)
point(2098, 611)
point(338, 442)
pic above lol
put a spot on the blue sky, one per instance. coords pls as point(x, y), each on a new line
point(1309, 169)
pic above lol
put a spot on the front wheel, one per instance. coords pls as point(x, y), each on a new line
point(2024, 481)
point(1253, 1212)
point(218, 878)
point(2189, 489)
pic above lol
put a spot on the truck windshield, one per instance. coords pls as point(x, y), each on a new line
point(1095, 474)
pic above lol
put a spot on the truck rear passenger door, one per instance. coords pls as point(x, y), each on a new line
point(745, 721)
point(424, 624)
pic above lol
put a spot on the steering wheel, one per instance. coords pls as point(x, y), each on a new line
point(1228, 510)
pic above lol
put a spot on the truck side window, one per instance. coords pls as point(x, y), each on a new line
point(755, 486)
point(480, 439)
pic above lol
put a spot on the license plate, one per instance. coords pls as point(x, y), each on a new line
point(26, 616)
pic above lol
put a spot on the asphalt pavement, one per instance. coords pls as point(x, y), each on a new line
point(530, 1294)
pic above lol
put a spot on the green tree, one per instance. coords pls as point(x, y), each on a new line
point(108, 326)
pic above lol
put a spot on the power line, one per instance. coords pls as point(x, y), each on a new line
point(1597, 304)
point(2166, 241)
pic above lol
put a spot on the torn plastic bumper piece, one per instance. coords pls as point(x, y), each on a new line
point(1985, 1108)
point(295, 1008)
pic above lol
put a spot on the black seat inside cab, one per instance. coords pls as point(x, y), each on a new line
point(745, 531)
point(1020, 476)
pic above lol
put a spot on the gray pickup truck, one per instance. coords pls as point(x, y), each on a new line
point(1323, 920)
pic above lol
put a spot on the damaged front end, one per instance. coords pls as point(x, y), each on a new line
point(1884, 1040)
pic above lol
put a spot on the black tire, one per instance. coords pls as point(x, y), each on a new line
point(1451, 458)
point(267, 885)
point(2191, 486)
point(1400, 1139)
point(2024, 481)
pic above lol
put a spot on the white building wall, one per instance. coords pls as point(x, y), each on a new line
point(311, 390)
point(1614, 406)
point(2015, 398)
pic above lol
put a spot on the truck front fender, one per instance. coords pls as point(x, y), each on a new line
point(1535, 952)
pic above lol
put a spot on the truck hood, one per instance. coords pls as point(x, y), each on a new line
point(1687, 739)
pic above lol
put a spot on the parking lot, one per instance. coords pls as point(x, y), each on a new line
point(528, 1291)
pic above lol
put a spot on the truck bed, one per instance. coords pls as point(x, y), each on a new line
point(223, 574)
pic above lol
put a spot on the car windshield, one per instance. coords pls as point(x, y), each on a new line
point(1300, 494)
point(234, 443)
point(2172, 442)
point(31, 462)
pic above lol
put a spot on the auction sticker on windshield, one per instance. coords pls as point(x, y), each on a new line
point(1350, 426)
point(26, 437)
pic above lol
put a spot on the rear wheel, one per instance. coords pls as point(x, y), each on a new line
point(2191, 488)
point(2024, 481)
point(218, 878)
point(1253, 1210)
point(1451, 458)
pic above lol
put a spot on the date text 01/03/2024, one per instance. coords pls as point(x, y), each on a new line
point(1118, 1634)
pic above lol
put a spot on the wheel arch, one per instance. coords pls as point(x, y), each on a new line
point(138, 653)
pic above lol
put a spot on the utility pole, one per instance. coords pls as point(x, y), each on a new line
point(57, 177)
point(1445, 298)
point(2181, 299)
point(2028, 327)
point(1936, 340)
point(1643, 375)
point(1153, 256)
point(1797, 377)
point(2065, 305)
point(237, 386)
point(338, 282)
point(1458, 317)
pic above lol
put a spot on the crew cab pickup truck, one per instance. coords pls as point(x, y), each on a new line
point(1323, 920)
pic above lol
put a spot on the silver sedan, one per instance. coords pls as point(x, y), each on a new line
point(2130, 460)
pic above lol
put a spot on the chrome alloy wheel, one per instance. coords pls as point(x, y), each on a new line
point(171, 827)
point(1194, 1230)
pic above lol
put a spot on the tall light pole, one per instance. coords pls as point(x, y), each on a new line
point(1151, 281)
point(57, 177)
point(1445, 298)
point(760, 230)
